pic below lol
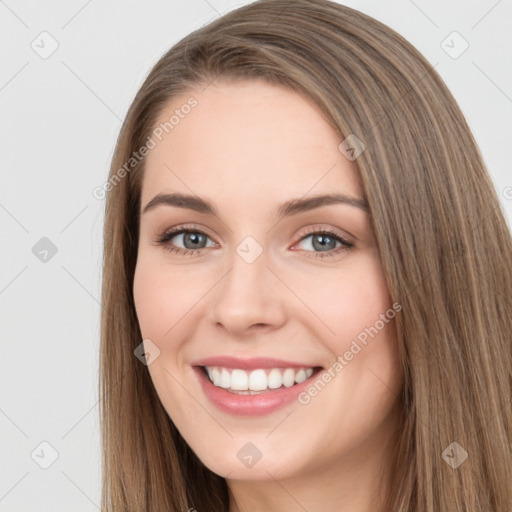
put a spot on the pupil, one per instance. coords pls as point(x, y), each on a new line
point(195, 238)
point(322, 245)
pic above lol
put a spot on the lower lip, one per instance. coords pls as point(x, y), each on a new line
point(250, 405)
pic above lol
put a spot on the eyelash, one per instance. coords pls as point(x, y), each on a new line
point(163, 240)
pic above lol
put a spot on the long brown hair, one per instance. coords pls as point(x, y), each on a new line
point(445, 249)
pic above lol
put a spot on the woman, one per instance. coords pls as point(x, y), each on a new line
point(307, 282)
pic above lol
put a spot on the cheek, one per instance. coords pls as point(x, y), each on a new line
point(345, 301)
point(356, 324)
point(164, 302)
point(163, 298)
point(363, 318)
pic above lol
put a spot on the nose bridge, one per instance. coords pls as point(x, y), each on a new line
point(243, 297)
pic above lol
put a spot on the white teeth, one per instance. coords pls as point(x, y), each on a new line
point(257, 380)
point(225, 379)
point(239, 380)
point(288, 377)
point(274, 379)
point(300, 377)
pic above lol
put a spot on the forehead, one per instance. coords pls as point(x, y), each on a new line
point(249, 140)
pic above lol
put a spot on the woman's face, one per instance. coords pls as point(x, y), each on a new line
point(267, 287)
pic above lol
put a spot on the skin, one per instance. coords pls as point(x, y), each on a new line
point(247, 147)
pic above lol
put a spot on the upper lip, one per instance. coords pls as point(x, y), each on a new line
point(249, 364)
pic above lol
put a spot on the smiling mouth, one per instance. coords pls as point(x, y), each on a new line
point(261, 380)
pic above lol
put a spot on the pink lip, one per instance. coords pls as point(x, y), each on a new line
point(250, 405)
point(249, 364)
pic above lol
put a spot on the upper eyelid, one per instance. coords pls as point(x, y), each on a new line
point(179, 230)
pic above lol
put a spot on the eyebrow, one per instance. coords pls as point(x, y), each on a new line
point(291, 207)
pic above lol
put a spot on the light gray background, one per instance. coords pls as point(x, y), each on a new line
point(59, 120)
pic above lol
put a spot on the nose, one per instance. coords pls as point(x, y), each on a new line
point(247, 299)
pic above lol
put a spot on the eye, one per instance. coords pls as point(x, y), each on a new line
point(324, 241)
point(192, 238)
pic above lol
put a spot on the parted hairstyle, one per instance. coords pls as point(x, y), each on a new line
point(443, 241)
